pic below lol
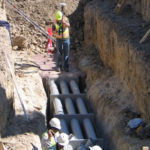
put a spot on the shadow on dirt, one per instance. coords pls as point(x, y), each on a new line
point(19, 125)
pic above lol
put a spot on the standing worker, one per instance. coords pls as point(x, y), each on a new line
point(61, 33)
point(49, 138)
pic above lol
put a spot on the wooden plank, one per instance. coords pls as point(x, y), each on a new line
point(145, 148)
point(119, 7)
point(145, 36)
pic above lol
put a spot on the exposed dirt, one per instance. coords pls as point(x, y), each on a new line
point(31, 60)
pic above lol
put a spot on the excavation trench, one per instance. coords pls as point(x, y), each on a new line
point(67, 101)
point(117, 76)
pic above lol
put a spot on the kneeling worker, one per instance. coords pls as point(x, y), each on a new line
point(63, 142)
point(49, 138)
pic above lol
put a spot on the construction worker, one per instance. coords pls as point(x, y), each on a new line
point(55, 127)
point(61, 33)
point(96, 147)
point(63, 142)
point(49, 138)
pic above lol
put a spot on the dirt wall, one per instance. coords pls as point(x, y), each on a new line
point(120, 49)
point(139, 6)
point(113, 104)
point(116, 39)
point(145, 9)
point(6, 85)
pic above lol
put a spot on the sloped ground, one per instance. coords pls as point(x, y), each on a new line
point(118, 81)
point(22, 134)
point(31, 61)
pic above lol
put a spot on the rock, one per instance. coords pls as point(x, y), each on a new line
point(15, 48)
point(32, 47)
point(134, 123)
point(20, 41)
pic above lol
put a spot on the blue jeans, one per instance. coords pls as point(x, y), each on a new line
point(63, 46)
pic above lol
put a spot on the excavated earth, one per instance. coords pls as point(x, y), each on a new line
point(106, 47)
point(31, 64)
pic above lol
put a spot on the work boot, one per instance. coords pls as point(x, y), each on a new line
point(59, 69)
point(66, 69)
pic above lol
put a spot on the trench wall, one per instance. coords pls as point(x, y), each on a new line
point(121, 51)
point(6, 85)
point(115, 95)
point(139, 6)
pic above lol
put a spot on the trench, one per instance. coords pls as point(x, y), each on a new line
point(67, 100)
point(108, 104)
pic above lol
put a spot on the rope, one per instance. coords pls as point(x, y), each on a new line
point(14, 80)
point(31, 21)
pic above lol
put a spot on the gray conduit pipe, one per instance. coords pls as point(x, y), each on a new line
point(53, 88)
point(74, 87)
point(82, 147)
point(58, 108)
point(81, 106)
point(89, 129)
point(69, 106)
point(64, 87)
point(75, 126)
point(64, 127)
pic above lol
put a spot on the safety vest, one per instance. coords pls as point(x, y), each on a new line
point(62, 32)
point(53, 144)
point(49, 144)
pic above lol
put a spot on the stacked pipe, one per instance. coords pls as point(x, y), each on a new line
point(89, 129)
point(70, 108)
point(58, 108)
point(53, 88)
point(75, 126)
point(81, 106)
point(64, 127)
point(64, 87)
point(74, 87)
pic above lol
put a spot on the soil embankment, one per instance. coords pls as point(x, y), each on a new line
point(118, 80)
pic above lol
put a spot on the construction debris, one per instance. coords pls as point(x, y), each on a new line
point(119, 7)
point(134, 123)
point(146, 35)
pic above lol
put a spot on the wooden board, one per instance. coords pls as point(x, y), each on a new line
point(119, 7)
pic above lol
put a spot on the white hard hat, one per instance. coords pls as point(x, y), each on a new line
point(55, 123)
point(63, 139)
point(96, 147)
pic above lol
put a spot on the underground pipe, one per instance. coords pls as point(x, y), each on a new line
point(53, 88)
point(58, 108)
point(74, 87)
point(82, 147)
point(64, 127)
point(69, 106)
point(64, 87)
point(75, 126)
point(81, 106)
point(89, 129)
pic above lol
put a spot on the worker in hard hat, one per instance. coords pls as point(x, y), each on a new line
point(55, 127)
point(62, 41)
point(49, 138)
point(96, 147)
point(63, 142)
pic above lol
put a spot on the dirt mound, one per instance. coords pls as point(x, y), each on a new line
point(43, 12)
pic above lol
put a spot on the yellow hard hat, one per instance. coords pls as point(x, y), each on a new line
point(59, 15)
